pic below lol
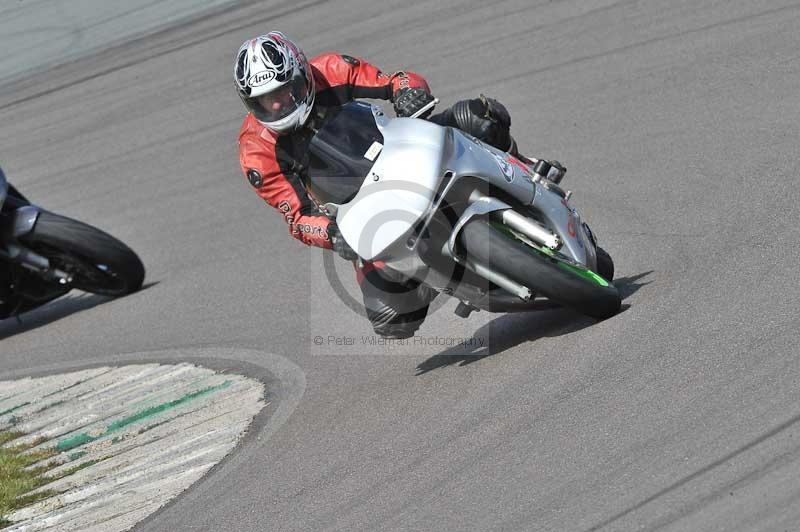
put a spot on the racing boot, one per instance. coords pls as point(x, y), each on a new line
point(395, 307)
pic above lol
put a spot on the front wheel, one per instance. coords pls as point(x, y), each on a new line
point(96, 261)
point(605, 264)
point(547, 273)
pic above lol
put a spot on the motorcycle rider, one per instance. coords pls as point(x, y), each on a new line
point(287, 97)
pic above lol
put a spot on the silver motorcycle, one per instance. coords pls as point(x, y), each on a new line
point(437, 205)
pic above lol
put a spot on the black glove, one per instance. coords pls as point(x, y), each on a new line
point(339, 245)
point(409, 101)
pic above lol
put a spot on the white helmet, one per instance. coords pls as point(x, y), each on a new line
point(274, 80)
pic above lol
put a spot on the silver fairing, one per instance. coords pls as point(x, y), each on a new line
point(471, 157)
point(468, 156)
point(21, 220)
point(402, 188)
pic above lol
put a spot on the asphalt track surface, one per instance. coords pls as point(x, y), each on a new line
point(679, 124)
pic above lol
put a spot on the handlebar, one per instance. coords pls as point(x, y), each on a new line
point(425, 109)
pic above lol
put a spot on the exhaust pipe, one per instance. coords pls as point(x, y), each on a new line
point(531, 229)
point(35, 263)
point(522, 224)
point(509, 285)
point(480, 204)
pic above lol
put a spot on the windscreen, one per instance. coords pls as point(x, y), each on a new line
point(342, 153)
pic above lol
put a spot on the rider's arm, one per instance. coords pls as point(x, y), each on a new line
point(284, 192)
point(345, 78)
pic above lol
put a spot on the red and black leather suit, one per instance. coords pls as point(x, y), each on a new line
point(272, 162)
point(275, 165)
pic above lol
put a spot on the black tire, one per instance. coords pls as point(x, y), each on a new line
point(98, 262)
point(576, 288)
point(605, 264)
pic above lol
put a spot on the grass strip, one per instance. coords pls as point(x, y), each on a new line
point(16, 482)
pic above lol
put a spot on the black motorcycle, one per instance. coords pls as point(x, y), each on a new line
point(44, 255)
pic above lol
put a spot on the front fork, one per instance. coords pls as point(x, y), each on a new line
point(482, 205)
point(18, 223)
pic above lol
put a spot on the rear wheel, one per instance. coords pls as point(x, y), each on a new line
point(96, 261)
point(543, 271)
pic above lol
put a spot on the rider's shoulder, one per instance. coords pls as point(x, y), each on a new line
point(334, 59)
point(253, 135)
point(335, 65)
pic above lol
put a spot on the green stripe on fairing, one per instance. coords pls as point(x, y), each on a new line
point(82, 438)
point(589, 275)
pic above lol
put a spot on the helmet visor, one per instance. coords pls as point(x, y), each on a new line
point(281, 102)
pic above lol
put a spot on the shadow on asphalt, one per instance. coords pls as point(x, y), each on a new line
point(627, 286)
point(511, 330)
point(67, 305)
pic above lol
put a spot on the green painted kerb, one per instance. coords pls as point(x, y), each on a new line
point(12, 409)
point(83, 438)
